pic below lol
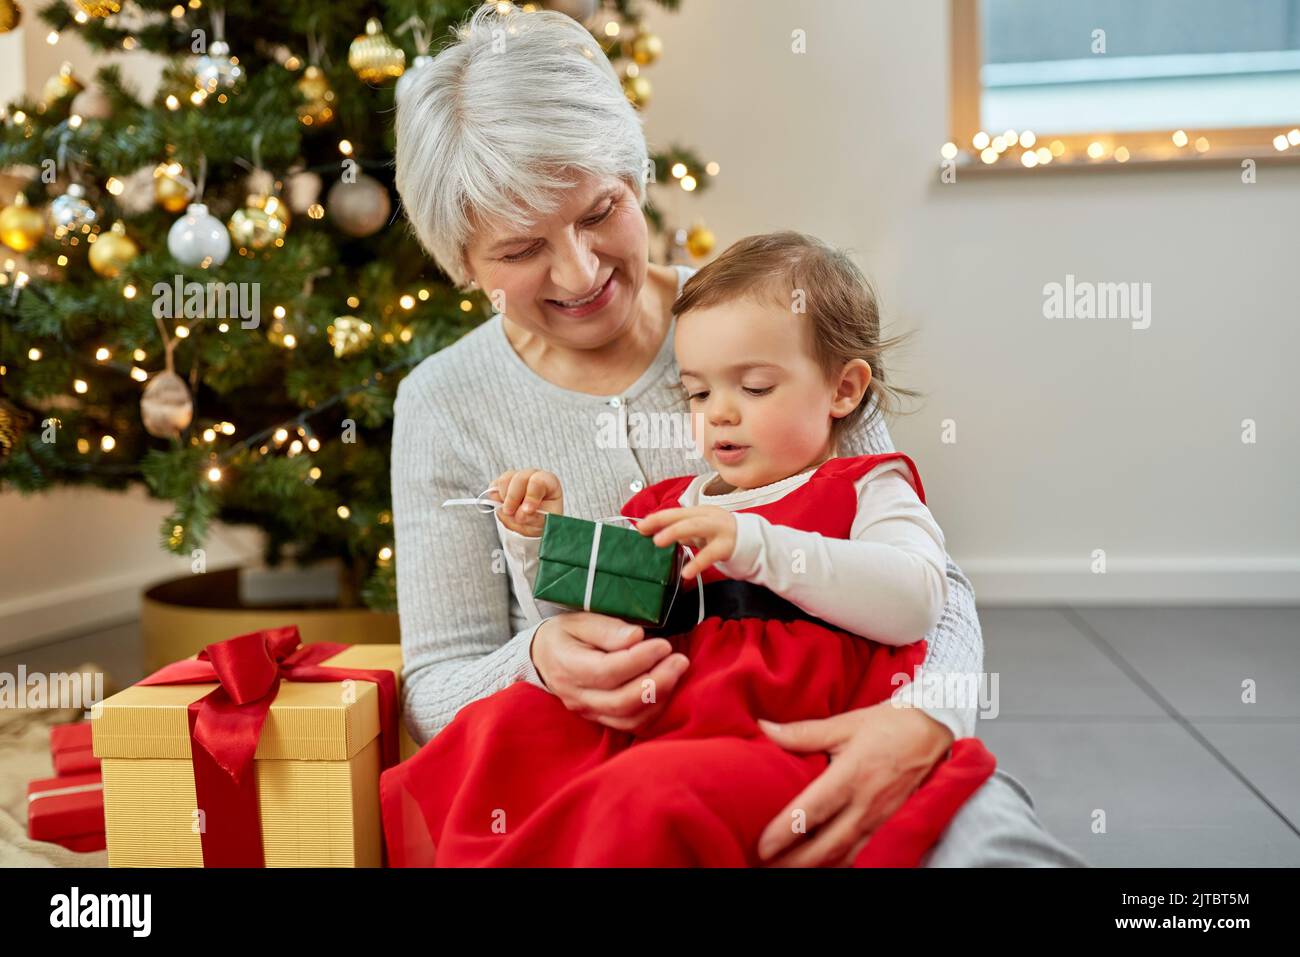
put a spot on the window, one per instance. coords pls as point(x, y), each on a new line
point(1107, 82)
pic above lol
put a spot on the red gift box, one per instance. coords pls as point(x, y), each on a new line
point(70, 747)
point(67, 810)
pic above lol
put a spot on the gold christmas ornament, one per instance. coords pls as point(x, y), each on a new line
point(92, 103)
point(112, 251)
point(301, 190)
point(262, 222)
point(13, 423)
point(359, 208)
point(171, 187)
point(10, 15)
point(375, 58)
point(646, 48)
point(62, 84)
point(349, 335)
point(165, 407)
point(100, 8)
point(21, 226)
point(699, 241)
point(637, 90)
point(317, 108)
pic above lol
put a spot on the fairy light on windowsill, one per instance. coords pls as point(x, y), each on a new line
point(138, 374)
point(343, 512)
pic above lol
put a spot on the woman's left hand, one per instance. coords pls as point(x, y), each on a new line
point(878, 757)
point(710, 531)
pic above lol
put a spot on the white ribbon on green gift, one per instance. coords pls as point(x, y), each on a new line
point(486, 506)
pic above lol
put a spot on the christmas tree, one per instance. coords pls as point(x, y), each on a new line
point(213, 293)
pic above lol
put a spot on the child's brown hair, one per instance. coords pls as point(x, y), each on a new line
point(837, 299)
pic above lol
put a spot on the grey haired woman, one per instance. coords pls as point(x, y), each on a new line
point(522, 170)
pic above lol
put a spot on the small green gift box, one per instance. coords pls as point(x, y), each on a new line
point(626, 574)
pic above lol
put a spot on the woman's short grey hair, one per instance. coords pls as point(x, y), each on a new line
point(489, 127)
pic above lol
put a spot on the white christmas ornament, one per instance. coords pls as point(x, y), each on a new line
point(404, 81)
point(198, 238)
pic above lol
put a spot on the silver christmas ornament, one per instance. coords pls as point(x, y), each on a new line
point(165, 407)
point(359, 208)
point(217, 69)
point(70, 215)
point(198, 238)
point(301, 190)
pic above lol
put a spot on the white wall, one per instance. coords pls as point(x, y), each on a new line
point(1071, 436)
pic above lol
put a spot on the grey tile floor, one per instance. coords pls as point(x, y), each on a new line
point(1134, 713)
point(1142, 714)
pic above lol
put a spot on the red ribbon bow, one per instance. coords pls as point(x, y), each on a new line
point(226, 724)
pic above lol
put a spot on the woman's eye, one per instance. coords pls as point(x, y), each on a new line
point(763, 391)
point(697, 395)
point(516, 257)
point(601, 217)
point(594, 221)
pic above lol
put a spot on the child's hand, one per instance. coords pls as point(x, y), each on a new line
point(709, 530)
point(528, 494)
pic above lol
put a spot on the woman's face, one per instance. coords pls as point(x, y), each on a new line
point(594, 244)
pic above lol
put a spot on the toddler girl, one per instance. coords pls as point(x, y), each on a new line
point(820, 576)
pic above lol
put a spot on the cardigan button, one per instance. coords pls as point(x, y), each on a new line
point(637, 485)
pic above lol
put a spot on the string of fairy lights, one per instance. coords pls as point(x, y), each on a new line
point(1026, 148)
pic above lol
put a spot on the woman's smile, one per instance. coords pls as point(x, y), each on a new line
point(600, 301)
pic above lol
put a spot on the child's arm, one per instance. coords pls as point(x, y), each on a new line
point(886, 582)
point(528, 495)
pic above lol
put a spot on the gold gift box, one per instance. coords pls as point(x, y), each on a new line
point(317, 767)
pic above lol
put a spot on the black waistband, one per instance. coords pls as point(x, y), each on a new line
point(733, 600)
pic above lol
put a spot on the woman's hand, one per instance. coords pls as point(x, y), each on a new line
point(709, 530)
point(878, 757)
point(529, 495)
point(604, 669)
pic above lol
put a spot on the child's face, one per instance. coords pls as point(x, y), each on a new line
point(750, 374)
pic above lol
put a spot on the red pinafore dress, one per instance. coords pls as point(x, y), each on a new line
point(516, 779)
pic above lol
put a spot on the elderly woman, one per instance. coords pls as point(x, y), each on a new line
point(522, 169)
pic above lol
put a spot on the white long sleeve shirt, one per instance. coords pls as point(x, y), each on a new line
point(886, 581)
